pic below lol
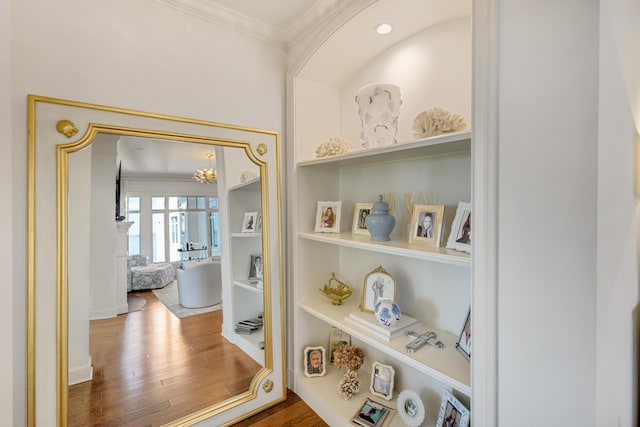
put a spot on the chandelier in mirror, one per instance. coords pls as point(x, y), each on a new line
point(206, 175)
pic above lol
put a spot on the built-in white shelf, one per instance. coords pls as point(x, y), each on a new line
point(252, 184)
point(247, 235)
point(250, 344)
point(446, 365)
point(251, 285)
point(321, 393)
point(392, 247)
point(445, 144)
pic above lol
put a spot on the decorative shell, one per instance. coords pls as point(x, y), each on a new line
point(332, 146)
point(338, 292)
point(435, 122)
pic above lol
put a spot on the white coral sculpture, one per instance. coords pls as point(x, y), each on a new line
point(435, 122)
point(248, 175)
point(332, 146)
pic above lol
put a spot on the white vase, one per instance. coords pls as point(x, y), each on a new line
point(379, 109)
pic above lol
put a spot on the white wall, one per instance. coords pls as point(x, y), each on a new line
point(547, 136)
point(138, 55)
point(618, 215)
point(12, 319)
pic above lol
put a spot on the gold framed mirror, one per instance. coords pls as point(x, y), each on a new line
point(65, 140)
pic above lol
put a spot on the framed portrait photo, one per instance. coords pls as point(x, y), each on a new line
point(372, 414)
point(382, 380)
point(426, 224)
point(464, 339)
point(250, 222)
point(360, 213)
point(328, 217)
point(256, 267)
point(460, 236)
point(378, 284)
point(452, 412)
point(410, 408)
point(315, 361)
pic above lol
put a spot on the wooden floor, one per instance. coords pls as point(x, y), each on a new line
point(151, 367)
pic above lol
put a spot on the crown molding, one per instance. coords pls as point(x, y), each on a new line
point(315, 17)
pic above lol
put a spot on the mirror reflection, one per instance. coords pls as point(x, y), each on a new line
point(165, 302)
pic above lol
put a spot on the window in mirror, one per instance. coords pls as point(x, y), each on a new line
point(175, 221)
point(133, 215)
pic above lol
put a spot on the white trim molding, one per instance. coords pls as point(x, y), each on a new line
point(484, 371)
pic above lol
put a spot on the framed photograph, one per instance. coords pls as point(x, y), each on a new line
point(382, 380)
point(464, 339)
point(337, 338)
point(328, 217)
point(410, 408)
point(426, 224)
point(452, 413)
point(460, 236)
point(315, 361)
point(259, 223)
point(360, 213)
point(377, 284)
point(249, 222)
point(256, 267)
point(373, 414)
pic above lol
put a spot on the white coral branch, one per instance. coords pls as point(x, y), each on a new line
point(435, 122)
point(332, 146)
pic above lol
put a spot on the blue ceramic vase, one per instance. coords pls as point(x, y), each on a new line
point(379, 222)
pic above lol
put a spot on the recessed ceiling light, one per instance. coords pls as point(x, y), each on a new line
point(383, 29)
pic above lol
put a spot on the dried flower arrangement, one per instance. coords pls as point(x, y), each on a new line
point(352, 357)
point(435, 122)
point(332, 146)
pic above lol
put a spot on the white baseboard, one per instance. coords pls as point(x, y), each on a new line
point(103, 313)
point(80, 374)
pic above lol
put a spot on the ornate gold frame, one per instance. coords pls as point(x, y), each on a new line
point(61, 156)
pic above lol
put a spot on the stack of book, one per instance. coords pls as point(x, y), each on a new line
point(249, 326)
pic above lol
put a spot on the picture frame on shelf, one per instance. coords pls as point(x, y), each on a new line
point(328, 217)
point(464, 338)
point(452, 412)
point(426, 224)
point(259, 223)
point(256, 267)
point(360, 213)
point(337, 338)
point(378, 284)
point(460, 236)
point(315, 361)
point(410, 408)
point(382, 380)
point(249, 222)
point(373, 414)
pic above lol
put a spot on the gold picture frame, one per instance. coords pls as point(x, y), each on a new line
point(378, 284)
point(426, 224)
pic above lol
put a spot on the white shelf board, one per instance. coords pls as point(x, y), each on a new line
point(321, 394)
point(249, 185)
point(448, 143)
point(246, 284)
point(250, 344)
point(447, 365)
point(392, 247)
point(246, 235)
